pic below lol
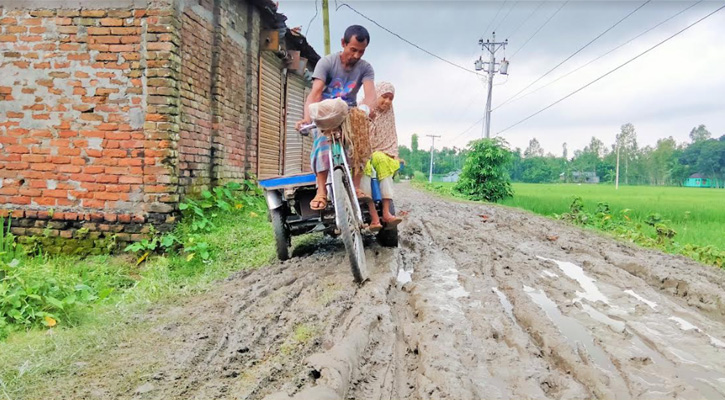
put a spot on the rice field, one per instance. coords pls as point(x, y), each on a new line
point(698, 215)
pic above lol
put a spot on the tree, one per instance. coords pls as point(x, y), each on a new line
point(660, 160)
point(542, 169)
point(627, 144)
point(516, 170)
point(485, 174)
point(590, 157)
point(596, 148)
point(534, 149)
point(565, 153)
point(699, 134)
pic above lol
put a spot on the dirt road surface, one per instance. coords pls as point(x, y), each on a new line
point(479, 302)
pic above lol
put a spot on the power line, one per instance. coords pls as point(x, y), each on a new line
point(526, 19)
point(468, 129)
point(574, 54)
point(317, 10)
point(505, 16)
point(540, 28)
point(485, 31)
point(406, 40)
point(610, 51)
point(611, 71)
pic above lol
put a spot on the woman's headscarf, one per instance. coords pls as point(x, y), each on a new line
point(383, 135)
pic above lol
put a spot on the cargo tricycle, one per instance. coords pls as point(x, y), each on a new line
point(288, 201)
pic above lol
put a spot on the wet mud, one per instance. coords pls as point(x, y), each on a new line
point(508, 306)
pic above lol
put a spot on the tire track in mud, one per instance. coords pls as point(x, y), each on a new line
point(598, 343)
point(507, 306)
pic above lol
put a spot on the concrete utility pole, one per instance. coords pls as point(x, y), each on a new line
point(326, 24)
point(432, 150)
point(616, 179)
point(492, 47)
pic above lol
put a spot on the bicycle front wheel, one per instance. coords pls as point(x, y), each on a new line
point(349, 226)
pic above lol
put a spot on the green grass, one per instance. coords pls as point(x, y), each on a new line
point(29, 360)
point(698, 215)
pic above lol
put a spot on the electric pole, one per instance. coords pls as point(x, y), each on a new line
point(326, 25)
point(616, 179)
point(492, 47)
point(432, 150)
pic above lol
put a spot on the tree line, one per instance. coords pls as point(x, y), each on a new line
point(666, 163)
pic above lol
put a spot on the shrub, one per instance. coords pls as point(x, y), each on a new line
point(485, 173)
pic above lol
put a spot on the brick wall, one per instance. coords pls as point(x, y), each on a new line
point(109, 116)
point(87, 119)
point(219, 51)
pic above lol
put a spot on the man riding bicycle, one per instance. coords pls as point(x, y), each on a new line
point(339, 75)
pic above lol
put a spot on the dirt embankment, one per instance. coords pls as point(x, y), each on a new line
point(478, 302)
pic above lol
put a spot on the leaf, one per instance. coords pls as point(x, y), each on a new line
point(50, 321)
point(54, 302)
point(104, 293)
point(81, 287)
point(168, 240)
point(143, 258)
point(238, 206)
point(190, 257)
point(253, 214)
point(183, 206)
point(15, 314)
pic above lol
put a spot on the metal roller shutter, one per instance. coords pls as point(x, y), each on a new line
point(295, 111)
point(271, 137)
point(306, 141)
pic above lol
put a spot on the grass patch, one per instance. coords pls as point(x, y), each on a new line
point(698, 215)
point(301, 336)
point(29, 358)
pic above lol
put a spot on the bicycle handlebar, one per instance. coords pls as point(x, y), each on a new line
point(305, 129)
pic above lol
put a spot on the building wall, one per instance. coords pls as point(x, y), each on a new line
point(112, 110)
point(83, 141)
point(219, 51)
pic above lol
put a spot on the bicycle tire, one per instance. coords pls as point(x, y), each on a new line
point(349, 227)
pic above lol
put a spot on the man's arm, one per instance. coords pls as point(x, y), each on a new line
point(315, 96)
point(370, 97)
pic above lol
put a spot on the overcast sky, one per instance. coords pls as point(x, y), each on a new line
point(666, 92)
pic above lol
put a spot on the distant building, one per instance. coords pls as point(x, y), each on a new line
point(697, 180)
point(581, 177)
point(451, 176)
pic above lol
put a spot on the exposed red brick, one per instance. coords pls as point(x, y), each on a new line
point(111, 22)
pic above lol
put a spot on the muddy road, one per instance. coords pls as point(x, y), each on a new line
point(479, 302)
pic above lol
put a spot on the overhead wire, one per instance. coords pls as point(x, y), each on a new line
point(526, 20)
point(574, 54)
point(485, 31)
point(539, 29)
point(505, 16)
point(341, 4)
point(610, 51)
point(612, 70)
point(515, 30)
point(317, 10)
point(468, 129)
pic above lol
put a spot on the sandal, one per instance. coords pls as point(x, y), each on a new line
point(392, 223)
point(321, 202)
point(375, 228)
point(361, 196)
